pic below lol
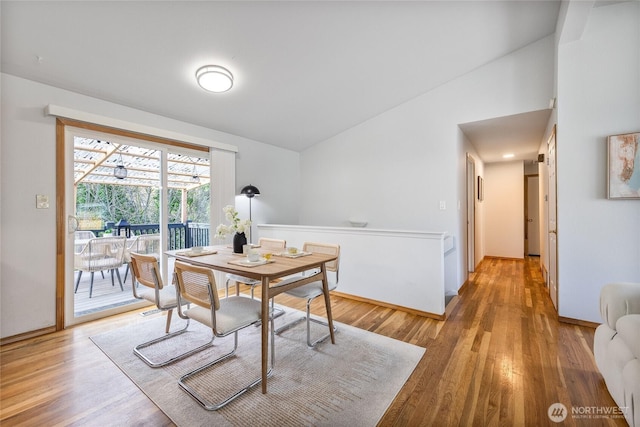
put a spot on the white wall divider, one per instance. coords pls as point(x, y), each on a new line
point(397, 267)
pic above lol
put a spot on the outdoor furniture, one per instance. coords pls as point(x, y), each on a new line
point(146, 272)
point(100, 254)
point(81, 238)
point(197, 286)
point(142, 244)
point(313, 290)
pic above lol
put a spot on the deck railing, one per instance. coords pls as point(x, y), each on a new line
point(180, 235)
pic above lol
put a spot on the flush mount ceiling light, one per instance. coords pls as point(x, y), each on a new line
point(214, 78)
point(508, 156)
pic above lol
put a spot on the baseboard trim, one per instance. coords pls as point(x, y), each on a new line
point(578, 322)
point(388, 305)
point(502, 257)
point(27, 335)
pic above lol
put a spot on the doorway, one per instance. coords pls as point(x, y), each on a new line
point(532, 216)
point(471, 215)
point(552, 215)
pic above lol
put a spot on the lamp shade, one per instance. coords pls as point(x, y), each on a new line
point(120, 172)
point(250, 191)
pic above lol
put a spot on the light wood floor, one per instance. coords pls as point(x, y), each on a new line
point(500, 359)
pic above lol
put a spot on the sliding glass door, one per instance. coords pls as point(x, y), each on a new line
point(124, 195)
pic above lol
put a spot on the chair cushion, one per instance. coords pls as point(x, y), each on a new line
point(242, 279)
point(168, 296)
point(234, 313)
point(308, 291)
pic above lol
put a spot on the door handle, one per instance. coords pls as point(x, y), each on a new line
point(72, 224)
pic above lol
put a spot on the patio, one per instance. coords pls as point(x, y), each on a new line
point(105, 295)
point(117, 192)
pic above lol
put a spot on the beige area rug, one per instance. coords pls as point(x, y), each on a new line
point(350, 383)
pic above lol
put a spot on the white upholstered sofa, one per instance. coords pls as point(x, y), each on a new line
point(616, 346)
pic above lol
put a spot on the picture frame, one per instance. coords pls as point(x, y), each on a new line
point(480, 188)
point(623, 166)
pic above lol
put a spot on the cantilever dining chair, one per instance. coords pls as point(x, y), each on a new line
point(310, 291)
point(100, 254)
point(265, 243)
point(197, 286)
point(146, 272)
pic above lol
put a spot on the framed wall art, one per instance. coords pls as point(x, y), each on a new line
point(623, 171)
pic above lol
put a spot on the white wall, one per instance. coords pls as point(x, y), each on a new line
point(28, 246)
point(394, 169)
point(504, 209)
point(598, 95)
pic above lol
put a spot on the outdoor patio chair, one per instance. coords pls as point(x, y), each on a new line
point(142, 244)
point(100, 254)
point(146, 272)
point(197, 285)
point(310, 291)
point(81, 237)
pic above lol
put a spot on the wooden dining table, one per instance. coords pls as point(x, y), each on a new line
point(280, 265)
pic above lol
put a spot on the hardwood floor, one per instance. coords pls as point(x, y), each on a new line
point(501, 358)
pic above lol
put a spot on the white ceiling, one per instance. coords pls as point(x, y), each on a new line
point(519, 134)
point(304, 71)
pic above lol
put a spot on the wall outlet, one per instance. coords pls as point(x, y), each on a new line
point(443, 205)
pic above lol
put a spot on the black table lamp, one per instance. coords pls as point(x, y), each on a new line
point(250, 191)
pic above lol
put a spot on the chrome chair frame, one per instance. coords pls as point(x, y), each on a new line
point(159, 289)
point(313, 290)
point(214, 305)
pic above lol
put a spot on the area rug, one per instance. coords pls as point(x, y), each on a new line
point(351, 383)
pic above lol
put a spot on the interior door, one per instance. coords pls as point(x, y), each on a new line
point(533, 220)
point(471, 217)
point(553, 225)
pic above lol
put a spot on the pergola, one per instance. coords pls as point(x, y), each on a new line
point(96, 162)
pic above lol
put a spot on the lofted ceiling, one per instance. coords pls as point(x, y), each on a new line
point(304, 71)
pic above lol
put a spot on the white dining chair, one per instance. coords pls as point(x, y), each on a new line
point(310, 291)
point(276, 245)
point(145, 271)
point(197, 287)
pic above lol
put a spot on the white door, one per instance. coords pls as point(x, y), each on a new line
point(553, 226)
point(533, 220)
point(471, 216)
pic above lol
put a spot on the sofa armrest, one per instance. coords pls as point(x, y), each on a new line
point(628, 328)
point(617, 300)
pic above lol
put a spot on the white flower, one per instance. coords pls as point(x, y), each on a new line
point(237, 225)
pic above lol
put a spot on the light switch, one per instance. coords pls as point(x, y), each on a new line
point(443, 205)
point(42, 201)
